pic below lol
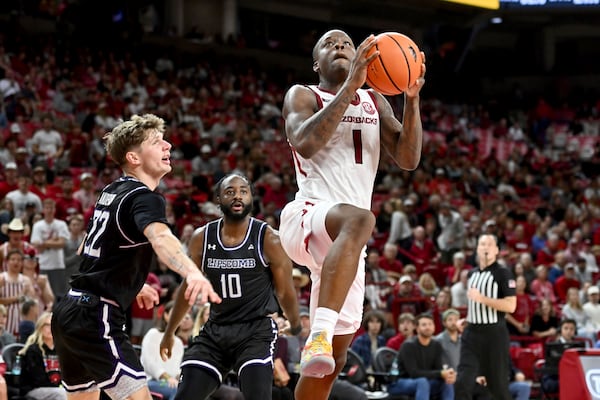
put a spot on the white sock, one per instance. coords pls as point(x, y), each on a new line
point(325, 320)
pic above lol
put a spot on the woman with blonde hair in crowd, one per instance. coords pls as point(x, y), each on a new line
point(574, 310)
point(428, 285)
point(201, 318)
point(40, 375)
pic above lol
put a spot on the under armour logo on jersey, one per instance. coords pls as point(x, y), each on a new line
point(211, 246)
point(251, 247)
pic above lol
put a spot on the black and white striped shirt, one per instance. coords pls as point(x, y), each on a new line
point(495, 282)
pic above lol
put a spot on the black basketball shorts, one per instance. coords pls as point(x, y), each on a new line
point(221, 348)
point(92, 346)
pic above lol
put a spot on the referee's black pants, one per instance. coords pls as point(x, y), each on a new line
point(484, 350)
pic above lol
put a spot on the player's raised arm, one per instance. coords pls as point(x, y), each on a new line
point(309, 128)
point(403, 140)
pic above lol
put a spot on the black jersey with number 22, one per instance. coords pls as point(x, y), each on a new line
point(117, 256)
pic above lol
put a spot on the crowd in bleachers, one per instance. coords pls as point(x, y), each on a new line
point(530, 176)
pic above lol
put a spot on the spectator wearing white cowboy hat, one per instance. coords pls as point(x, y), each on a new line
point(15, 230)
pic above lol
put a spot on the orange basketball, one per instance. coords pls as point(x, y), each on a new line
point(398, 65)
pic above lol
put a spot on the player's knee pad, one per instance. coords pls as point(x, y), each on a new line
point(196, 383)
point(256, 381)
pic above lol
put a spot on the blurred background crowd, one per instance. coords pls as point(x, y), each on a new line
point(519, 161)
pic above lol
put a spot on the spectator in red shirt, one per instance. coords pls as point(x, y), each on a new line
point(40, 185)
point(406, 330)
point(422, 249)
point(546, 255)
point(541, 287)
point(530, 226)
point(519, 321)
point(517, 243)
point(440, 184)
point(9, 183)
point(458, 265)
point(568, 280)
point(142, 319)
point(77, 146)
point(388, 260)
point(66, 204)
point(406, 297)
point(275, 192)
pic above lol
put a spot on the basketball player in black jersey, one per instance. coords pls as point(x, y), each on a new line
point(126, 233)
point(485, 341)
point(244, 260)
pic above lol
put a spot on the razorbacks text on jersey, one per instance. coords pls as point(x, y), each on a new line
point(240, 275)
point(344, 170)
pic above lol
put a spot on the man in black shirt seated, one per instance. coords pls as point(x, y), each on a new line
point(421, 372)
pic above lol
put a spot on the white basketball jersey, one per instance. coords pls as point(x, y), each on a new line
point(344, 170)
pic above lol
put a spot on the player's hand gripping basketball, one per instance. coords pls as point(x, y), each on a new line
point(357, 75)
point(414, 90)
point(199, 289)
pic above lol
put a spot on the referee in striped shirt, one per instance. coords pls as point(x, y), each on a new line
point(485, 340)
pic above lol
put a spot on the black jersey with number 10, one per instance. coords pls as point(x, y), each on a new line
point(239, 274)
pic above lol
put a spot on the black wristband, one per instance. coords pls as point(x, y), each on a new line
point(296, 330)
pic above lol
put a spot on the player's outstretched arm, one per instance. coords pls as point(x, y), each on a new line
point(181, 306)
point(170, 251)
point(281, 268)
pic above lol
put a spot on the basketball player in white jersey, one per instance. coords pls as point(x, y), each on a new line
point(336, 131)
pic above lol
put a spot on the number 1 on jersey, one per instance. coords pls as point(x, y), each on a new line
point(357, 139)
